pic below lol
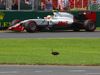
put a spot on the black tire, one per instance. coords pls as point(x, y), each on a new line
point(89, 25)
point(30, 26)
point(15, 22)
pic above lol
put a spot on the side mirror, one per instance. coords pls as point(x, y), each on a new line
point(44, 17)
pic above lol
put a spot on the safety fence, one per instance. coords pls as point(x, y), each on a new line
point(49, 5)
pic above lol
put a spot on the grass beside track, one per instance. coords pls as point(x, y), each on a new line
point(98, 28)
point(73, 51)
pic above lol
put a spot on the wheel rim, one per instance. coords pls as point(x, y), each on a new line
point(32, 26)
point(91, 25)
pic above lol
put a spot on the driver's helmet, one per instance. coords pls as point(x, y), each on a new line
point(48, 17)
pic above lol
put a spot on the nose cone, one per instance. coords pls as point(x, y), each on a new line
point(10, 28)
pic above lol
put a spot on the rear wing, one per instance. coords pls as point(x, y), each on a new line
point(87, 15)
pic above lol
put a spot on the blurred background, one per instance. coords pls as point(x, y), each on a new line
point(49, 5)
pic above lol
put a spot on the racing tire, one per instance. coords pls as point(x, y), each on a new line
point(89, 25)
point(15, 22)
point(30, 26)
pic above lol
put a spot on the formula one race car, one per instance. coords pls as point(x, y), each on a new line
point(60, 20)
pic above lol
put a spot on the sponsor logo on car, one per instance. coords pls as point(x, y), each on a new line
point(61, 23)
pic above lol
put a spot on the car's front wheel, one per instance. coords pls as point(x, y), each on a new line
point(30, 26)
point(15, 22)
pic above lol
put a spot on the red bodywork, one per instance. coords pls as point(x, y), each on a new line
point(17, 27)
point(91, 16)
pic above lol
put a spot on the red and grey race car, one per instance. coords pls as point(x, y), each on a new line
point(60, 20)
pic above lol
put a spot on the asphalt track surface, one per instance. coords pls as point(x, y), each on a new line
point(48, 70)
point(56, 34)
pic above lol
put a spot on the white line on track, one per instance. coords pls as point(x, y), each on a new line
point(77, 70)
point(43, 71)
point(38, 71)
point(9, 71)
point(93, 73)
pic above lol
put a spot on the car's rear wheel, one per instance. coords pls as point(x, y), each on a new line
point(30, 26)
point(89, 25)
point(15, 22)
